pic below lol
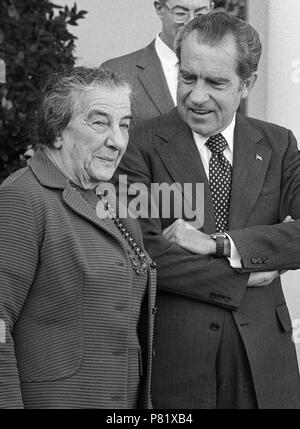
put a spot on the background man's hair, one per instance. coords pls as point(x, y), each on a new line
point(61, 95)
point(212, 29)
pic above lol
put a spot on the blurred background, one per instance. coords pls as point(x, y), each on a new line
point(112, 28)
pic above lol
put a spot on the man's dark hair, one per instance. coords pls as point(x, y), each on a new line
point(213, 28)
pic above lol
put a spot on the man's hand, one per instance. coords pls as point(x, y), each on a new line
point(188, 237)
point(262, 279)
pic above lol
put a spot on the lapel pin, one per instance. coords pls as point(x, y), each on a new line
point(258, 157)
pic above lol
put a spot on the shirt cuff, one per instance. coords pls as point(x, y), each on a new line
point(234, 258)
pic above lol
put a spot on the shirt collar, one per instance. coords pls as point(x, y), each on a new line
point(228, 134)
point(167, 57)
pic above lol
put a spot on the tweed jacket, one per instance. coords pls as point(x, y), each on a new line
point(143, 70)
point(61, 265)
point(194, 291)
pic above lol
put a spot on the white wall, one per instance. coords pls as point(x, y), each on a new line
point(112, 28)
point(276, 97)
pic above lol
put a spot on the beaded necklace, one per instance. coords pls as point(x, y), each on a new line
point(139, 261)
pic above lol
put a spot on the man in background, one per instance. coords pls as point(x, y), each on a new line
point(153, 70)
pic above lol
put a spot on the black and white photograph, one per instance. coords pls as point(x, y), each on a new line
point(150, 207)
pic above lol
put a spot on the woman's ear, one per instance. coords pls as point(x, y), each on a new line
point(58, 142)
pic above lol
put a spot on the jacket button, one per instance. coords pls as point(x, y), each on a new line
point(212, 295)
point(153, 353)
point(254, 261)
point(153, 265)
point(214, 327)
point(227, 298)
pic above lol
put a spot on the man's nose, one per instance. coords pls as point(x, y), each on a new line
point(199, 94)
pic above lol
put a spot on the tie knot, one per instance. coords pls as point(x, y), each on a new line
point(216, 143)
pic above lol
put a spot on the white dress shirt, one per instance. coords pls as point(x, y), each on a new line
point(169, 62)
point(205, 154)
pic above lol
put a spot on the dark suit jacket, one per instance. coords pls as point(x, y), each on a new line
point(143, 70)
point(66, 290)
point(194, 290)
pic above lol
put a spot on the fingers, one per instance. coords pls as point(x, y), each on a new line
point(288, 219)
point(169, 232)
point(262, 279)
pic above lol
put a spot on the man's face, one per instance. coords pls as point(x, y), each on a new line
point(96, 138)
point(169, 27)
point(209, 89)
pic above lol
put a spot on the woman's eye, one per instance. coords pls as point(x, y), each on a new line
point(98, 125)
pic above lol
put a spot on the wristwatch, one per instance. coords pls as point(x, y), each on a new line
point(220, 247)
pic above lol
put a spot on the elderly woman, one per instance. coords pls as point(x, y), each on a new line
point(76, 290)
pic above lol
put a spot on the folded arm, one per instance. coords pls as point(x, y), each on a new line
point(179, 270)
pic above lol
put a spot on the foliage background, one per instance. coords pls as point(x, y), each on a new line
point(34, 40)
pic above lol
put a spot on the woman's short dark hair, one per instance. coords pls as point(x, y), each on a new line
point(213, 28)
point(60, 98)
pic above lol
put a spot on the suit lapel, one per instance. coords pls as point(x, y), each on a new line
point(250, 165)
point(179, 153)
point(151, 76)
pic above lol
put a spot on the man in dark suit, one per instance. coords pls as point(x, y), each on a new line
point(223, 336)
point(152, 71)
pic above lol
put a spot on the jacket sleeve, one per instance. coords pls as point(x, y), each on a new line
point(276, 247)
point(18, 263)
point(179, 271)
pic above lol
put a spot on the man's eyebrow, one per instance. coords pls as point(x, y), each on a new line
point(218, 79)
point(187, 10)
point(201, 8)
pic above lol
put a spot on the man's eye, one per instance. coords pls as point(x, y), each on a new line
point(98, 123)
point(125, 126)
point(216, 84)
point(187, 79)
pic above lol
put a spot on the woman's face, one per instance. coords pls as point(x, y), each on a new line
point(96, 138)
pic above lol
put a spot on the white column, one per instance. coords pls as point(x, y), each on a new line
point(276, 97)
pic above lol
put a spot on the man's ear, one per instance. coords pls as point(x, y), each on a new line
point(158, 8)
point(248, 85)
point(212, 5)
